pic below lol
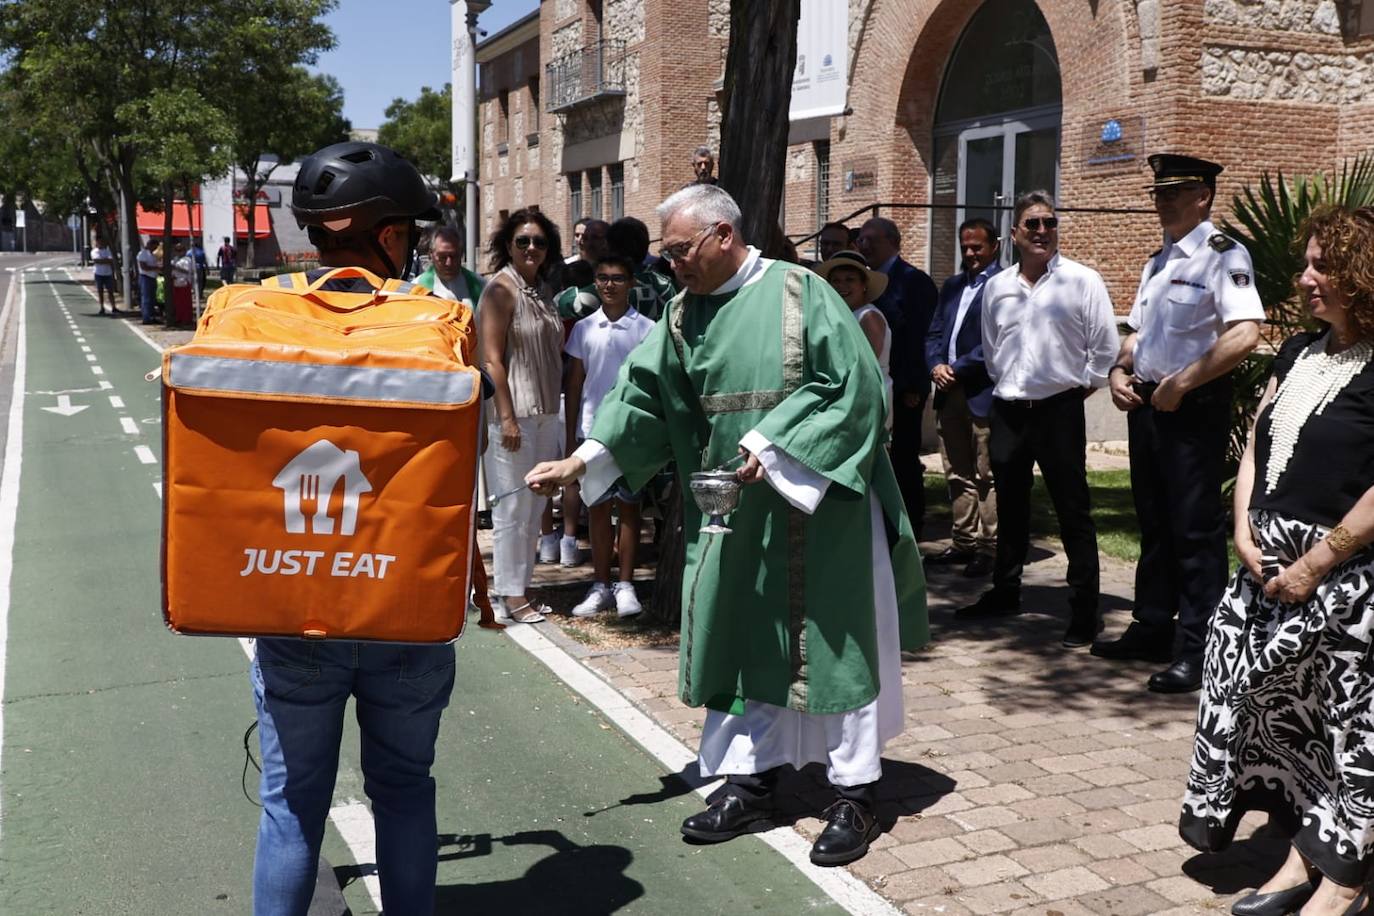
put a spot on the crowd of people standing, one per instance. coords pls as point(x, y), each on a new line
point(607, 367)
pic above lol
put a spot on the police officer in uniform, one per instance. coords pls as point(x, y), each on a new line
point(1196, 316)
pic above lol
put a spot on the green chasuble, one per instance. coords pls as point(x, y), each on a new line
point(781, 610)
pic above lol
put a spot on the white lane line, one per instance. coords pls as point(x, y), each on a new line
point(845, 889)
point(348, 817)
point(157, 488)
point(84, 348)
point(116, 402)
point(90, 357)
point(9, 486)
point(130, 427)
point(105, 386)
point(97, 370)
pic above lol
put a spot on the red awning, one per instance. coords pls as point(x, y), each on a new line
point(152, 223)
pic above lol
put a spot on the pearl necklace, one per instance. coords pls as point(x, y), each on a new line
point(1313, 383)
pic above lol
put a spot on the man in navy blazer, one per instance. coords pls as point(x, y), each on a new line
point(907, 304)
point(963, 397)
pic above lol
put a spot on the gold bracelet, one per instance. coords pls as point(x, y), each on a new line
point(1341, 540)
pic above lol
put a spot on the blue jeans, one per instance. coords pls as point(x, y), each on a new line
point(147, 296)
point(301, 689)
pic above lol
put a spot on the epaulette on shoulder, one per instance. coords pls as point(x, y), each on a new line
point(1221, 242)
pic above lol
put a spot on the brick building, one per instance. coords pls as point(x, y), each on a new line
point(594, 107)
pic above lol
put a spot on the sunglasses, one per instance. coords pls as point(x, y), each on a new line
point(538, 241)
point(1036, 223)
point(612, 279)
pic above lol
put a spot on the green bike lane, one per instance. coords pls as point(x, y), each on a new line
point(122, 758)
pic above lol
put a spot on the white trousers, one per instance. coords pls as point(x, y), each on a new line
point(850, 744)
point(515, 519)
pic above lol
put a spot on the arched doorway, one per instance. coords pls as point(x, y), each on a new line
point(997, 122)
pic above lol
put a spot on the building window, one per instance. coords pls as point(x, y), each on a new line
point(575, 212)
point(822, 182)
point(617, 190)
point(594, 194)
point(503, 122)
point(534, 105)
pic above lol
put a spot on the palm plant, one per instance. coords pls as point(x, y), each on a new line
point(1267, 220)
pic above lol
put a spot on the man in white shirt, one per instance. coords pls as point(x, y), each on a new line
point(1196, 316)
point(149, 265)
point(104, 276)
point(1049, 339)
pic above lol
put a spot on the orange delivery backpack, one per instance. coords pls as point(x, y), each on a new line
point(319, 463)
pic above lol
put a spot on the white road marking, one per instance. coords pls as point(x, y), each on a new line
point(90, 357)
point(145, 454)
point(157, 488)
point(845, 889)
point(9, 484)
point(116, 402)
point(130, 427)
point(84, 348)
point(105, 386)
point(97, 370)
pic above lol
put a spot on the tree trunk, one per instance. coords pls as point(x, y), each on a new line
point(168, 202)
point(754, 124)
point(666, 606)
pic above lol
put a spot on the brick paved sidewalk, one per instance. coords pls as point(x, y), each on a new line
point(1030, 779)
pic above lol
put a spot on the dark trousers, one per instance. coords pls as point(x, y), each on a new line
point(1177, 464)
point(757, 789)
point(1049, 433)
point(906, 460)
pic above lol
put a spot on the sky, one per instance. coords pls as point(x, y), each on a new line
point(388, 49)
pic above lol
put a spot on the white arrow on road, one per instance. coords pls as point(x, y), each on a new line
point(64, 406)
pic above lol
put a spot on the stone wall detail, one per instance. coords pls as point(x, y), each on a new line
point(623, 20)
point(1298, 76)
point(1313, 16)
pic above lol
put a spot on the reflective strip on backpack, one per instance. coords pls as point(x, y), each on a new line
point(360, 383)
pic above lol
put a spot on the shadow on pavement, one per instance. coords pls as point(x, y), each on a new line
point(573, 879)
point(1244, 864)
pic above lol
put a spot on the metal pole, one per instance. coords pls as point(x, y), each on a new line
point(463, 25)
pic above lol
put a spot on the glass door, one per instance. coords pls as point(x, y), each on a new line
point(998, 162)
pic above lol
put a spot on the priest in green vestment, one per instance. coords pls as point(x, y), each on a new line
point(793, 624)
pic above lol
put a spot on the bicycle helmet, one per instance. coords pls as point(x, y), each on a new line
point(345, 190)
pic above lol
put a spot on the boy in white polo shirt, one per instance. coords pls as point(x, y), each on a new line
point(598, 345)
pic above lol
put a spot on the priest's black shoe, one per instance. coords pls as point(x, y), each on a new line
point(948, 557)
point(852, 827)
point(1274, 903)
point(725, 819)
point(1136, 645)
point(1183, 676)
point(993, 603)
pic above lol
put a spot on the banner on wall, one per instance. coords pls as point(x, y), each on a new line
point(820, 83)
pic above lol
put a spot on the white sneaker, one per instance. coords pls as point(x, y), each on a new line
point(568, 554)
point(598, 599)
point(626, 601)
point(548, 548)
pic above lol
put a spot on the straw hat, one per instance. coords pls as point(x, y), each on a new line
point(875, 282)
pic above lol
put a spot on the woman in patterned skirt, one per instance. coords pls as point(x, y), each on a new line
point(1286, 722)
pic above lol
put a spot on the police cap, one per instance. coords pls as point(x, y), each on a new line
point(1172, 169)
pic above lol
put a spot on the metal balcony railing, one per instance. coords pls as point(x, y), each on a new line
point(594, 72)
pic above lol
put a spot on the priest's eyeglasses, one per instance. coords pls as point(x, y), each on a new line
point(683, 250)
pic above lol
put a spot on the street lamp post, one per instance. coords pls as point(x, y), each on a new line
point(463, 17)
